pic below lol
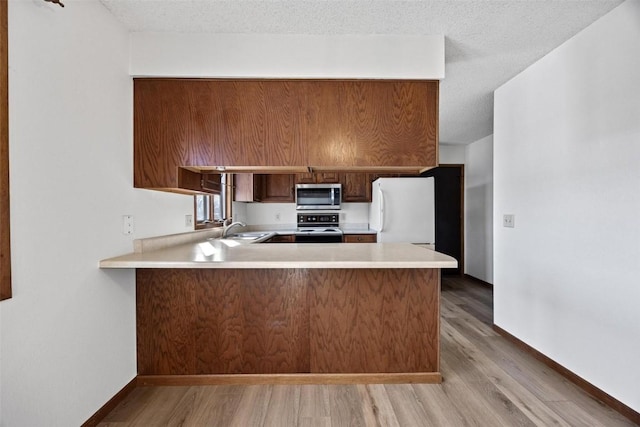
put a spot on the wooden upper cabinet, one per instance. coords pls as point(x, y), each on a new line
point(373, 123)
point(306, 178)
point(356, 187)
point(167, 133)
point(266, 188)
point(197, 122)
point(327, 177)
point(318, 178)
point(244, 189)
point(276, 188)
point(281, 123)
point(256, 122)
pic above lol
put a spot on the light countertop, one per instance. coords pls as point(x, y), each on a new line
point(217, 253)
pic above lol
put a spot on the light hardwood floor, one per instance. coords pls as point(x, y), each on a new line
point(487, 382)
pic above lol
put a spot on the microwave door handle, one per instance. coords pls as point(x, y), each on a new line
point(381, 209)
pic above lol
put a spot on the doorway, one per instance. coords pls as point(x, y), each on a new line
point(449, 208)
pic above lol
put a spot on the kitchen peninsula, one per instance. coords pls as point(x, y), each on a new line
point(218, 311)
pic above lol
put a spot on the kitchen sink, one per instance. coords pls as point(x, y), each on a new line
point(253, 234)
point(251, 237)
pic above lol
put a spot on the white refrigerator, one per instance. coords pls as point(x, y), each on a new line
point(402, 210)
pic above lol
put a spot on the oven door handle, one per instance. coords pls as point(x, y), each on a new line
point(381, 209)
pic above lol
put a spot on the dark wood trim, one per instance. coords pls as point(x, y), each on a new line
point(5, 239)
point(119, 397)
point(298, 379)
point(475, 279)
point(589, 388)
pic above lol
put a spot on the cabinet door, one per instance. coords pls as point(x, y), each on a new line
point(243, 189)
point(373, 123)
point(211, 182)
point(318, 178)
point(277, 188)
point(356, 187)
point(305, 178)
point(199, 182)
point(167, 132)
point(233, 113)
point(328, 178)
point(258, 122)
point(360, 238)
point(200, 122)
point(285, 143)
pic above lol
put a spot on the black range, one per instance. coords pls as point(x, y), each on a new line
point(318, 228)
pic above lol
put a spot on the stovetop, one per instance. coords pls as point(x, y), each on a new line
point(318, 230)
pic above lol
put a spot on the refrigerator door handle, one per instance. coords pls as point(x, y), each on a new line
point(381, 209)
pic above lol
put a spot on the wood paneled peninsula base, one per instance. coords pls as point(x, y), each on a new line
point(210, 313)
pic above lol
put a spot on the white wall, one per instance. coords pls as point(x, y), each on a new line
point(288, 55)
point(451, 154)
point(567, 164)
point(478, 209)
point(68, 334)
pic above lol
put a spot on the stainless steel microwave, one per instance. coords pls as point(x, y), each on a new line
point(318, 196)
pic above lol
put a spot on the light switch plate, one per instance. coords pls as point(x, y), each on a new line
point(509, 220)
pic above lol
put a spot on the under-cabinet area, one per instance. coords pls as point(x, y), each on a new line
point(397, 209)
point(266, 188)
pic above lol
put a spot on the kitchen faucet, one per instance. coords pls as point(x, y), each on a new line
point(226, 228)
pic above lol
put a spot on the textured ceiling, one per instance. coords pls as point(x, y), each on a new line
point(487, 42)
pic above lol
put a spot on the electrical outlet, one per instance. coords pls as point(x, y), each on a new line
point(509, 220)
point(188, 220)
point(127, 224)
